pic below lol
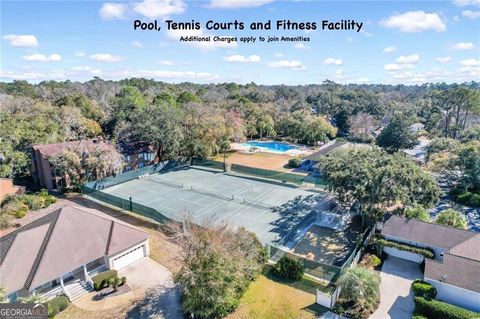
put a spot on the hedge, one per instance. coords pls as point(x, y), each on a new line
point(418, 317)
point(423, 289)
point(294, 162)
point(101, 280)
point(434, 309)
point(289, 268)
point(425, 252)
point(56, 305)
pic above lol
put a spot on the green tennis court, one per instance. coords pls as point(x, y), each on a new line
point(270, 209)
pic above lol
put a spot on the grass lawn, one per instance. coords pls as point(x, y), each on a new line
point(270, 297)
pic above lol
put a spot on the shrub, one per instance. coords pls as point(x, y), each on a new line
point(419, 213)
point(15, 208)
point(373, 261)
point(102, 279)
point(56, 305)
point(124, 281)
point(53, 310)
point(452, 218)
point(467, 198)
point(48, 199)
point(423, 289)
point(290, 268)
point(418, 317)
point(33, 202)
point(425, 252)
point(5, 220)
point(294, 162)
point(434, 309)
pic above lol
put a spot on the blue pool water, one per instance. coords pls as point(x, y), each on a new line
point(277, 147)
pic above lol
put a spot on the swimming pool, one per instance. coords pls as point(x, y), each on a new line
point(272, 146)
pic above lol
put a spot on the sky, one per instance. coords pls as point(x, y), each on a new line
point(401, 42)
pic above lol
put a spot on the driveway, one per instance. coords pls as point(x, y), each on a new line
point(160, 297)
point(396, 299)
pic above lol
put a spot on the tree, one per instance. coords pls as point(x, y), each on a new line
point(161, 126)
point(360, 290)
point(452, 218)
point(82, 164)
point(3, 295)
point(217, 266)
point(377, 180)
point(419, 213)
point(32, 298)
point(396, 135)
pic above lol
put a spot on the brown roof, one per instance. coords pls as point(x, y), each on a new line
point(48, 150)
point(469, 248)
point(455, 270)
point(61, 242)
point(324, 151)
point(433, 235)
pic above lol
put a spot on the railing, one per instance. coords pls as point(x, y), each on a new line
point(264, 173)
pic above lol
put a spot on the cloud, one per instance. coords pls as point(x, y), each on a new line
point(278, 55)
point(159, 8)
point(26, 40)
point(166, 62)
point(288, 64)
point(463, 46)
point(42, 57)
point(333, 61)
point(471, 14)
point(111, 11)
point(470, 68)
point(361, 80)
point(79, 54)
point(137, 44)
point(235, 4)
point(242, 59)
point(410, 59)
point(463, 3)
point(204, 45)
point(389, 49)
point(444, 59)
point(415, 21)
point(339, 74)
point(166, 75)
point(87, 69)
point(301, 46)
point(105, 57)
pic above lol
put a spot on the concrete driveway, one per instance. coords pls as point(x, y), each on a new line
point(160, 298)
point(396, 299)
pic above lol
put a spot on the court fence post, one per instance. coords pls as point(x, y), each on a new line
point(131, 204)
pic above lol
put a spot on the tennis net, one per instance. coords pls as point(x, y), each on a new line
point(255, 204)
point(164, 182)
point(203, 192)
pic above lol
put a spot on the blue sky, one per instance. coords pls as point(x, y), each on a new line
point(407, 42)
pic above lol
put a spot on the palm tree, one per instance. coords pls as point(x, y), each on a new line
point(452, 218)
point(360, 287)
point(33, 298)
point(3, 296)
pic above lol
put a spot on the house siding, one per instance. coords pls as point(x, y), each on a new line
point(456, 296)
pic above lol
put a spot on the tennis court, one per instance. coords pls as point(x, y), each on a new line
point(270, 209)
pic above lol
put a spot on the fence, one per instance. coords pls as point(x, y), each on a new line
point(263, 173)
point(127, 204)
point(130, 175)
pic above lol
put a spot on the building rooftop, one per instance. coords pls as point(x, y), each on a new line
point(48, 150)
point(429, 234)
point(455, 270)
point(60, 242)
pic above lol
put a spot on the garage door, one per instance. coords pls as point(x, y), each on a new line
point(128, 257)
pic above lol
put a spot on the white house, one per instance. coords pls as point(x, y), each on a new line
point(455, 271)
point(60, 252)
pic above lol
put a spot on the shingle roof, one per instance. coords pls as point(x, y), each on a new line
point(324, 151)
point(48, 150)
point(61, 242)
point(455, 270)
point(433, 235)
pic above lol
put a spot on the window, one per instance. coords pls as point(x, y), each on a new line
point(127, 158)
point(148, 156)
point(141, 164)
point(140, 155)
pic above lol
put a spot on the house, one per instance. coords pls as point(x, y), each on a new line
point(455, 269)
point(310, 162)
point(416, 127)
point(60, 252)
point(43, 172)
point(136, 154)
point(8, 188)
